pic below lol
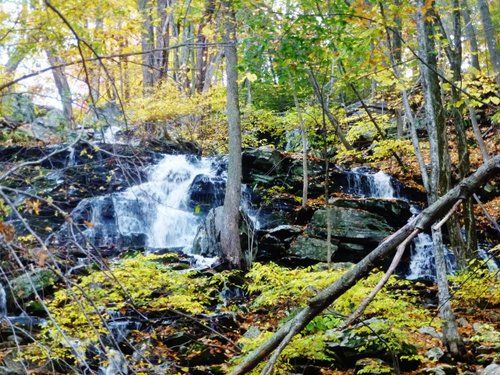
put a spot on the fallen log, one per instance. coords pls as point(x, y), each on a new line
point(328, 295)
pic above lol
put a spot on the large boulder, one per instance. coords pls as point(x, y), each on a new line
point(207, 239)
point(311, 248)
point(261, 164)
point(274, 242)
point(395, 211)
point(350, 225)
point(206, 192)
point(25, 287)
point(354, 233)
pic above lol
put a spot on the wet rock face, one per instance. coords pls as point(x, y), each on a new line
point(206, 192)
point(206, 241)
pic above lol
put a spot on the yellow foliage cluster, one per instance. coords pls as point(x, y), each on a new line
point(198, 117)
point(79, 312)
point(397, 309)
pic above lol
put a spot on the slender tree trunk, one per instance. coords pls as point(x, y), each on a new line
point(63, 88)
point(147, 44)
point(397, 41)
point(211, 69)
point(477, 132)
point(489, 33)
point(463, 149)
point(176, 51)
point(451, 336)
point(404, 97)
point(440, 160)
point(303, 132)
point(470, 32)
point(202, 60)
point(326, 110)
point(162, 40)
point(230, 233)
point(454, 54)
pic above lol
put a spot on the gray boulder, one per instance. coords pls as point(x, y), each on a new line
point(207, 239)
point(311, 248)
point(26, 286)
point(349, 224)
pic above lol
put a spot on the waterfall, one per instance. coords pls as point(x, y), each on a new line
point(3, 302)
point(373, 185)
point(380, 185)
point(163, 212)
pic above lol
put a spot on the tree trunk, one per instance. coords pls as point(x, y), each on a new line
point(477, 132)
point(436, 127)
point(406, 102)
point(470, 32)
point(162, 40)
point(230, 233)
point(463, 149)
point(489, 33)
point(211, 69)
point(328, 295)
point(202, 60)
point(303, 132)
point(63, 88)
point(451, 337)
point(326, 110)
point(147, 44)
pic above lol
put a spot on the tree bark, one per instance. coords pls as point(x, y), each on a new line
point(303, 132)
point(63, 88)
point(440, 181)
point(230, 233)
point(147, 44)
point(328, 295)
point(477, 132)
point(162, 40)
point(451, 336)
point(489, 33)
point(202, 57)
point(454, 54)
point(470, 32)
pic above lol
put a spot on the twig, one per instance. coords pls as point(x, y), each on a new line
point(395, 261)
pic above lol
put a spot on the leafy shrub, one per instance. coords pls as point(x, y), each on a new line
point(79, 312)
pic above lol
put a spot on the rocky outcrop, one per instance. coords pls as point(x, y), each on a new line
point(311, 248)
point(25, 287)
point(207, 239)
point(206, 192)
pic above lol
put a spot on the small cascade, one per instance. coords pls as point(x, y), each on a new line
point(380, 185)
point(488, 260)
point(3, 302)
point(163, 212)
point(117, 364)
point(370, 185)
point(422, 265)
point(71, 157)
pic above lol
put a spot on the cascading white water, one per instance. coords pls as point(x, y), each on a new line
point(3, 302)
point(155, 213)
point(379, 185)
point(375, 185)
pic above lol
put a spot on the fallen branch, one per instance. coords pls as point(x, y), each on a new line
point(328, 295)
point(395, 261)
